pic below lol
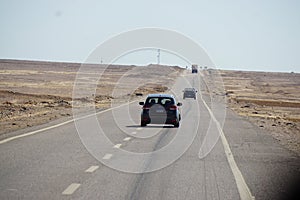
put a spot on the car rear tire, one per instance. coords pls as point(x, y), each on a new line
point(143, 124)
point(176, 125)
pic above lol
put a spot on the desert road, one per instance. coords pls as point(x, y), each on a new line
point(72, 161)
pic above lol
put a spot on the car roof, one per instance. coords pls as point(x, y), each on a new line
point(161, 95)
point(189, 89)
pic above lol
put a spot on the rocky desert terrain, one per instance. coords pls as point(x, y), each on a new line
point(35, 92)
point(270, 100)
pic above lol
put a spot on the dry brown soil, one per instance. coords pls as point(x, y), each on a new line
point(33, 92)
point(268, 99)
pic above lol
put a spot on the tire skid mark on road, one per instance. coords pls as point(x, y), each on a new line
point(71, 189)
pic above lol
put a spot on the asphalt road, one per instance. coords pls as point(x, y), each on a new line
point(202, 159)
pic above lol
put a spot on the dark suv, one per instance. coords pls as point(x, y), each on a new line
point(189, 93)
point(160, 109)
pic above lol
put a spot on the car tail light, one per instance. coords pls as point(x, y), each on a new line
point(146, 107)
point(173, 107)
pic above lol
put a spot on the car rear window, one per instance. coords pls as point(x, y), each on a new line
point(160, 100)
point(189, 89)
point(189, 92)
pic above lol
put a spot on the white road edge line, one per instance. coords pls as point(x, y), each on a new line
point(242, 186)
point(60, 124)
point(92, 169)
point(127, 139)
point(107, 156)
point(71, 189)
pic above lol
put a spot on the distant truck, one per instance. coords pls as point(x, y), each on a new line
point(194, 69)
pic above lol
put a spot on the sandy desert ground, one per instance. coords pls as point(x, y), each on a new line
point(270, 100)
point(33, 93)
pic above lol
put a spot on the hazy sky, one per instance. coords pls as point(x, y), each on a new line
point(248, 35)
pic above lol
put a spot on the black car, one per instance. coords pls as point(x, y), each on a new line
point(160, 109)
point(189, 93)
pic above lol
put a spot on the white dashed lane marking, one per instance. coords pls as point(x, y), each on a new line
point(92, 169)
point(133, 133)
point(117, 146)
point(107, 156)
point(139, 129)
point(71, 189)
point(127, 139)
point(14, 190)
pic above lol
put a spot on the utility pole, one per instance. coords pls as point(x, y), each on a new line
point(158, 56)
